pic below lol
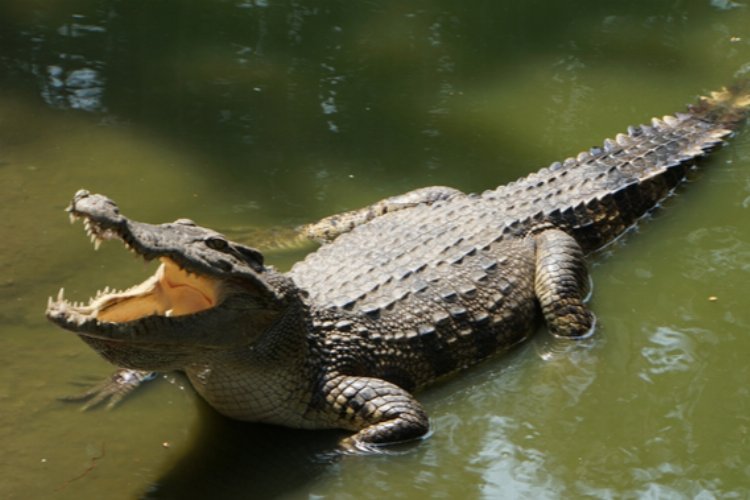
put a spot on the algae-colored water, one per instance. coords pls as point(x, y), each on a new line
point(246, 115)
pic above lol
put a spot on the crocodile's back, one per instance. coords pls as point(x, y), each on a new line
point(594, 197)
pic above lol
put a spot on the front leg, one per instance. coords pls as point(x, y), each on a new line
point(560, 284)
point(382, 413)
point(112, 389)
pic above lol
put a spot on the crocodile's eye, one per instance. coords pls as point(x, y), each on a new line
point(185, 222)
point(215, 243)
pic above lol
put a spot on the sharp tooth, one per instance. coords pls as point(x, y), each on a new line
point(97, 243)
point(61, 295)
point(72, 217)
point(168, 313)
point(49, 302)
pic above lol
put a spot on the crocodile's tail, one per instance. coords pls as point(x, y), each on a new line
point(683, 139)
point(656, 159)
point(601, 192)
point(728, 107)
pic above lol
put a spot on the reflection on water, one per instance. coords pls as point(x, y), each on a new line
point(78, 89)
point(69, 75)
point(254, 116)
point(726, 4)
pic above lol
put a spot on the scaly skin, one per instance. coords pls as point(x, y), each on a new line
point(405, 291)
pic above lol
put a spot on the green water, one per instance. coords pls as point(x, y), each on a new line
point(252, 114)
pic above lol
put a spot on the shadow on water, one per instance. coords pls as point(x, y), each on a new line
point(230, 459)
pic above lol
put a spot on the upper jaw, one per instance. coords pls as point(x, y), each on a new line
point(102, 221)
point(192, 248)
point(101, 217)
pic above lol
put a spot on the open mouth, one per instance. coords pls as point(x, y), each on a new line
point(170, 292)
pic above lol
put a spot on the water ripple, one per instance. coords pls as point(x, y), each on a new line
point(672, 351)
point(716, 250)
point(510, 470)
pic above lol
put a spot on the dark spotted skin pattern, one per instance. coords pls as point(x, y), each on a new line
point(425, 284)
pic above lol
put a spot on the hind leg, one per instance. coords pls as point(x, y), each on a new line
point(561, 283)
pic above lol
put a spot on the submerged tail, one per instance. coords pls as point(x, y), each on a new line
point(601, 192)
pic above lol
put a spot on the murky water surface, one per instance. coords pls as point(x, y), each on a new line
point(253, 114)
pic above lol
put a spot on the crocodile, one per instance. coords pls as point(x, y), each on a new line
point(400, 294)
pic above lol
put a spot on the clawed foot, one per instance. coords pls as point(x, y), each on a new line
point(352, 445)
point(580, 328)
point(113, 389)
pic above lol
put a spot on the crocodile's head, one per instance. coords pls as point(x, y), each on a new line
point(208, 294)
